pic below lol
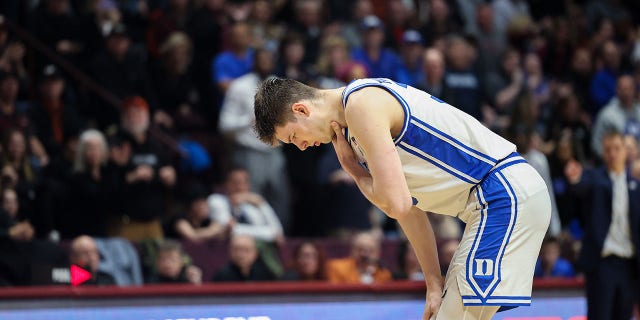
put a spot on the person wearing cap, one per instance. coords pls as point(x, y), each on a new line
point(54, 119)
point(148, 177)
point(410, 71)
point(122, 72)
point(380, 61)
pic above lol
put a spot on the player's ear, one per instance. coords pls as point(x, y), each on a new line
point(299, 108)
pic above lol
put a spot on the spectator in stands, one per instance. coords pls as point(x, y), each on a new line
point(245, 264)
point(381, 62)
point(433, 65)
point(362, 266)
point(122, 70)
point(504, 87)
point(571, 118)
point(308, 263)
point(170, 266)
point(334, 56)
point(309, 22)
point(466, 89)
point(345, 211)
point(265, 165)
point(580, 76)
point(84, 253)
point(491, 43)
point(611, 241)
point(205, 28)
point(196, 224)
point(59, 27)
point(54, 120)
point(411, 50)
point(445, 227)
point(550, 263)
point(509, 11)
point(538, 87)
point(11, 113)
point(164, 21)
point(235, 62)
point(291, 55)
point(19, 229)
point(266, 33)
point(149, 177)
point(622, 114)
point(603, 83)
point(446, 253)
point(350, 28)
point(21, 171)
point(249, 214)
point(21, 251)
point(441, 21)
point(90, 202)
point(408, 265)
point(12, 59)
point(14, 115)
point(178, 97)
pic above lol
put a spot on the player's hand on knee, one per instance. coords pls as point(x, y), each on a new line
point(434, 299)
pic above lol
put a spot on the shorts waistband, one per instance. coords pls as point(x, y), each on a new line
point(511, 159)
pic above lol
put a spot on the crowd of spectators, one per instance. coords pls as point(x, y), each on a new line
point(131, 119)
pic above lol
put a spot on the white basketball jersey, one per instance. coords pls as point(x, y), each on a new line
point(444, 151)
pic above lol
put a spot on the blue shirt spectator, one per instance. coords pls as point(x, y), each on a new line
point(603, 83)
point(384, 67)
point(227, 66)
point(550, 264)
point(381, 62)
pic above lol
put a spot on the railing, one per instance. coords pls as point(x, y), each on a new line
point(261, 288)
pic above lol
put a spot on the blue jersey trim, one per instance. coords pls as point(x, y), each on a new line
point(458, 143)
point(381, 84)
point(448, 170)
point(513, 195)
point(445, 152)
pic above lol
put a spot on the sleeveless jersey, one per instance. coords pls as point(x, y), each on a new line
point(444, 152)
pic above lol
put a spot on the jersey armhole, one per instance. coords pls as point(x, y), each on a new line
point(405, 106)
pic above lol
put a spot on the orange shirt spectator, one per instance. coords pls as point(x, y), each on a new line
point(363, 266)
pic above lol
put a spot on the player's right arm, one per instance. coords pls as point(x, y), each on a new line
point(370, 115)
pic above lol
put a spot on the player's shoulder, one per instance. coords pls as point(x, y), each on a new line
point(368, 101)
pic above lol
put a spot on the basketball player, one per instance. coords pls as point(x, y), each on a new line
point(409, 152)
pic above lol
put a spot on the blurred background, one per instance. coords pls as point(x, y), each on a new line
point(127, 147)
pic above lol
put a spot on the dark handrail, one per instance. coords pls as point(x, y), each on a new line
point(82, 78)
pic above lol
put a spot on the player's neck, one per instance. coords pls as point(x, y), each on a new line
point(332, 98)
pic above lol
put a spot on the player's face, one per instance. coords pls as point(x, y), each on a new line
point(305, 132)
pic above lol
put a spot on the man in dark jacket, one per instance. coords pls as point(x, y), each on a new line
point(611, 243)
point(244, 264)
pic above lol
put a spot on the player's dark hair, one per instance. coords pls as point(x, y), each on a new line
point(272, 105)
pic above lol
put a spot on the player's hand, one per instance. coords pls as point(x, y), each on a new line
point(346, 156)
point(434, 299)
